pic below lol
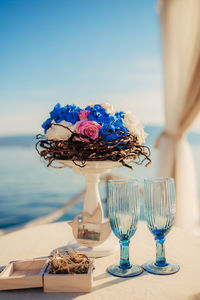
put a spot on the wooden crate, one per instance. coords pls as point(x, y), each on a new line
point(23, 274)
point(35, 273)
point(68, 282)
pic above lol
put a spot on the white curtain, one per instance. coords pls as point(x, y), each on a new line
point(180, 28)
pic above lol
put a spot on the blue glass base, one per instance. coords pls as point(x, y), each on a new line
point(134, 270)
point(170, 268)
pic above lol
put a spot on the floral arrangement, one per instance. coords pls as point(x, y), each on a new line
point(96, 132)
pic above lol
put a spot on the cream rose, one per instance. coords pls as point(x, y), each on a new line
point(57, 133)
point(108, 107)
point(134, 127)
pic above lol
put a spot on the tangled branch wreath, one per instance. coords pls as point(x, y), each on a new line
point(79, 151)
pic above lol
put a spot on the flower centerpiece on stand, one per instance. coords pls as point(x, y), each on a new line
point(92, 140)
point(93, 133)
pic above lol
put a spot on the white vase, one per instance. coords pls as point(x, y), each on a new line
point(92, 171)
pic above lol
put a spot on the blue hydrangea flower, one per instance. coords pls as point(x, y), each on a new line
point(56, 113)
point(98, 114)
point(115, 129)
point(116, 134)
point(70, 113)
point(119, 115)
point(46, 125)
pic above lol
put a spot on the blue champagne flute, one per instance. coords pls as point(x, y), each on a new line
point(160, 208)
point(123, 213)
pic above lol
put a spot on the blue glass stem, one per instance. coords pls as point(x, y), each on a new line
point(160, 252)
point(124, 254)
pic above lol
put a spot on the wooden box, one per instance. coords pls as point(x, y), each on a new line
point(23, 274)
point(35, 273)
point(68, 282)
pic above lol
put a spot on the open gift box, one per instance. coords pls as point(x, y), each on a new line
point(35, 273)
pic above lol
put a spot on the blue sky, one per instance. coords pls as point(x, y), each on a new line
point(78, 51)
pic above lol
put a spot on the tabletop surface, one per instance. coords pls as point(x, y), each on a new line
point(181, 247)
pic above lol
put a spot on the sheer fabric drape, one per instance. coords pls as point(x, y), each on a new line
point(180, 29)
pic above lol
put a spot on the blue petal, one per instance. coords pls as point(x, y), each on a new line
point(46, 125)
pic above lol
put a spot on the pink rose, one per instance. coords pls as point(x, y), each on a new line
point(88, 128)
point(83, 114)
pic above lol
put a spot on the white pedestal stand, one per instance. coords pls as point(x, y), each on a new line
point(92, 171)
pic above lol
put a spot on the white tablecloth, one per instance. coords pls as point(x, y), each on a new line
point(181, 247)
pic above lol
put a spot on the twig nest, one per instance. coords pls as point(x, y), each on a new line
point(69, 263)
point(123, 148)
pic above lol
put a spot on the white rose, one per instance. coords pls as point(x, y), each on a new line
point(108, 107)
point(57, 133)
point(134, 127)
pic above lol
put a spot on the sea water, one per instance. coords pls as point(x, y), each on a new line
point(29, 190)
